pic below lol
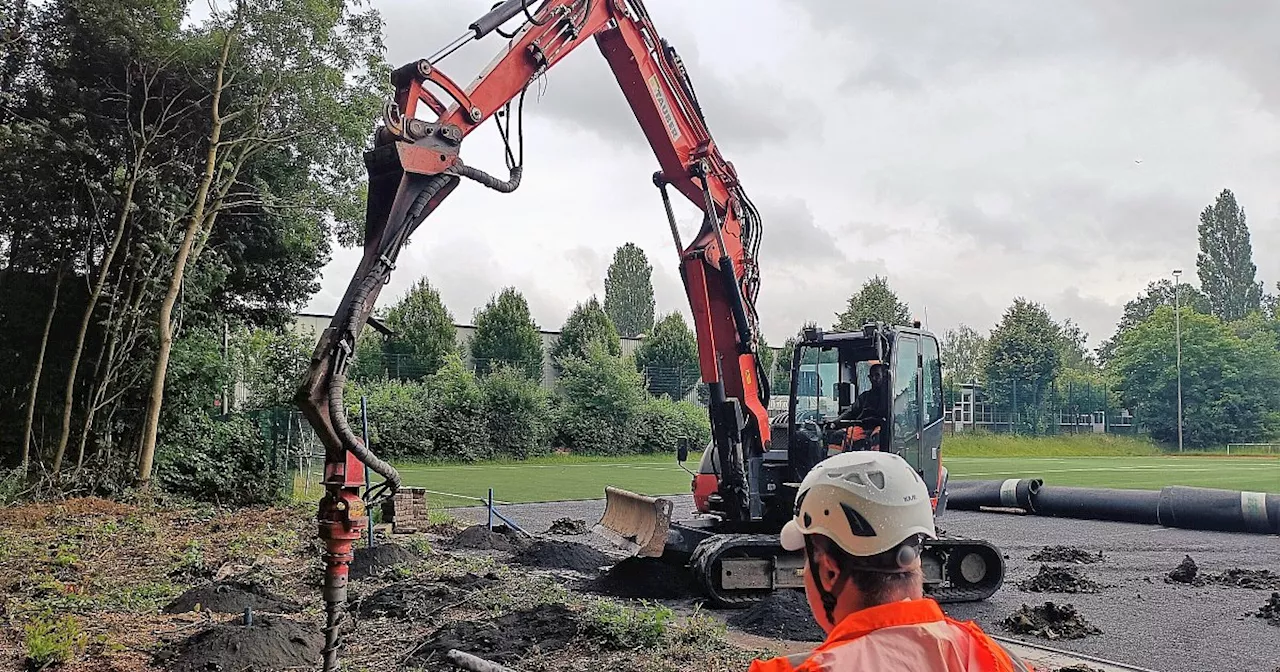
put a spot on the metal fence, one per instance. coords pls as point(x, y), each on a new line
point(1016, 407)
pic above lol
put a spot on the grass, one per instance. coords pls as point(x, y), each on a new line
point(1086, 460)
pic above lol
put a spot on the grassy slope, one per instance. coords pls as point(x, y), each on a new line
point(1098, 461)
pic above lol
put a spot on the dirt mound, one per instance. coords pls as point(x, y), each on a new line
point(480, 537)
point(1068, 554)
point(407, 601)
point(504, 639)
point(783, 615)
point(271, 643)
point(1186, 572)
point(568, 527)
point(645, 577)
point(552, 554)
point(1271, 610)
point(230, 597)
point(378, 559)
point(471, 581)
point(1059, 580)
point(1050, 621)
point(1256, 579)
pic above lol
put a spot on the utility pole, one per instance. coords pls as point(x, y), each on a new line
point(1177, 321)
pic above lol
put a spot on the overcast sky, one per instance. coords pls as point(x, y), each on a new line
point(972, 152)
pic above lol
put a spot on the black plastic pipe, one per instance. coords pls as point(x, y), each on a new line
point(1010, 493)
point(1126, 506)
point(1223, 510)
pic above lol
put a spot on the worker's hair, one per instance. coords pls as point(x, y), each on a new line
point(876, 585)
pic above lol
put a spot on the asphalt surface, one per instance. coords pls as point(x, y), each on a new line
point(1145, 621)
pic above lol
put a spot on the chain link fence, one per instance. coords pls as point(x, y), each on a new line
point(1017, 407)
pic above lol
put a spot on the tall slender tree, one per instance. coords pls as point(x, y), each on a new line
point(506, 334)
point(628, 291)
point(1225, 263)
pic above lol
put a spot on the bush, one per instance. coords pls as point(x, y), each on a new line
point(661, 423)
point(217, 460)
point(518, 413)
point(399, 416)
point(458, 426)
point(603, 396)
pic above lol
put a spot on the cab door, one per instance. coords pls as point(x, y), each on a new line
point(907, 436)
point(931, 416)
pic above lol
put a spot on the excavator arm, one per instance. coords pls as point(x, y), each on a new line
point(415, 164)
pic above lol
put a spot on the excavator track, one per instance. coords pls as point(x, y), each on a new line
point(738, 570)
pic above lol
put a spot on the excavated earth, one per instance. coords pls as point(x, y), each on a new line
point(649, 578)
point(418, 601)
point(783, 615)
point(270, 643)
point(1050, 621)
point(377, 560)
point(1059, 580)
point(1271, 610)
point(568, 527)
point(230, 597)
point(504, 639)
point(553, 554)
point(1067, 554)
point(1187, 572)
point(481, 538)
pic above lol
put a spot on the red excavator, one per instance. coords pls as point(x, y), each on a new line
point(415, 164)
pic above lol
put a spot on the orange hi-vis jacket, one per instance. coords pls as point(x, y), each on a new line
point(908, 635)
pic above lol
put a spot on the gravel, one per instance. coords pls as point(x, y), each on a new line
point(1145, 621)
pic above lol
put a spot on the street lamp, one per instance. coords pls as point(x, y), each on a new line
point(1177, 321)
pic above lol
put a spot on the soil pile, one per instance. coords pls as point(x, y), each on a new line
point(784, 614)
point(271, 643)
point(1050, 621)
point(1060, 580)
point(1067, 554)
point(1078, 667)
point(645, 578)
point(230, 597)
point(373, 561)
point(471, 582)
point(551, 554)
point(410, 601)
point(1256, 579)
point(568, 527)
point(1186, 572)
point(504, 639)
point(481, 538)
point(1271, 610)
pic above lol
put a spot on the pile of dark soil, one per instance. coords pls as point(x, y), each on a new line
point(1078, 667)
point(1050, 621)
point(1060, 580)
point(783, 615)
point(373, 561)
point(1271, 610)
point(505, 639)
point(271, 643)
point(500, 538)
point(552, 554)
point(1186, 572)
point(230, 597)
point(649, 578)
point(471, 582)
point(409, 600)
point(568, 527)
point(1256, 579)
point(1068, 554)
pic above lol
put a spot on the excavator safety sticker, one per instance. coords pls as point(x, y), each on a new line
point(667, 117)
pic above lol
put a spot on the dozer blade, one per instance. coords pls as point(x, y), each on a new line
point(636, 524)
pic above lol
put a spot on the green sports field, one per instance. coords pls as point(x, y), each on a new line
point(564, 478)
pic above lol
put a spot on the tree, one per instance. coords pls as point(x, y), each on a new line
point(1023, 356)
point(280, 73)
point(1225, 263)
point(423, 327)
point(507, 334)
point(669, 358)
point(1072, 352)
point(873, 302)
point(962, 350)
point(587, 323)
point(628, 291)
point(1158, 293)
point(1231, 385)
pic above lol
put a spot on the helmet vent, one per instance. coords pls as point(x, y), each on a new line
point(857, 524)
point(877, 478)
point(855, 477)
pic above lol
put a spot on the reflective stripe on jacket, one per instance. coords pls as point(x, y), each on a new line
point(907, 635)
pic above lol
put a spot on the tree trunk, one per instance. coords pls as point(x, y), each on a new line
point(35, 376)
point(94, 294)
point(147, 448)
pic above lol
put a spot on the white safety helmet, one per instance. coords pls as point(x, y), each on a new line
point(867, 502)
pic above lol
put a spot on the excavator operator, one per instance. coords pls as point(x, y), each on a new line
point(861, 518)
point(866, 416)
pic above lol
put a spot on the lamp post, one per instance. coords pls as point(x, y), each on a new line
point(1177, 321)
